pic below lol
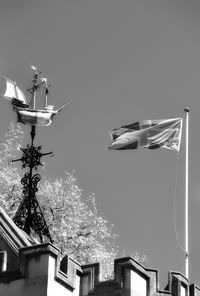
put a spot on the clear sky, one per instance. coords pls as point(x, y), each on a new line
point(120, 62)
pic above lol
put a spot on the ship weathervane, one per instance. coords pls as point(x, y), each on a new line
point(27, 113)
point(29, 215)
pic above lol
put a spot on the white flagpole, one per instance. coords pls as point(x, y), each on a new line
point(186, 195)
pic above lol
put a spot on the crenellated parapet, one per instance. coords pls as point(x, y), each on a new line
point(133, 279)
point(28, 268)
point(40, 269)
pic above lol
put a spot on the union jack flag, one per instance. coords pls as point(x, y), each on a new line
point(151, 134)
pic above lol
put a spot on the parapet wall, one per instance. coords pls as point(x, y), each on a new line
point(133, 279)
point(41, 272)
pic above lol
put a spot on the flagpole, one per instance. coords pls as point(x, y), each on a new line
point(187, 110)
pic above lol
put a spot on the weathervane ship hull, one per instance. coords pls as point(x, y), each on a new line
point(25, 114)
point(35, 117)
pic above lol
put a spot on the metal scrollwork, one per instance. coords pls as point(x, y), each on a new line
point(31, 156)
point(29, 214)
point(35, 179)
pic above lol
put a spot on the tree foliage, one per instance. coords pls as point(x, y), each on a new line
point(76, 226)
point(10, 186)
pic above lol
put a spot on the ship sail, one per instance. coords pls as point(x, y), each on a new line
point(13, 92)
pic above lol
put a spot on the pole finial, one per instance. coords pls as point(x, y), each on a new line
point(187, 109)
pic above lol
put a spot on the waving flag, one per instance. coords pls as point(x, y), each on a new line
point(151, 134)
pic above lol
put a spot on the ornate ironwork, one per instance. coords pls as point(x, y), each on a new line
point(29, 214)
point(31, 156)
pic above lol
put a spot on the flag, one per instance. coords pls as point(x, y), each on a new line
point(151, 134)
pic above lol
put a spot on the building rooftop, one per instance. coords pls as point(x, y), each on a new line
point(28, 268)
